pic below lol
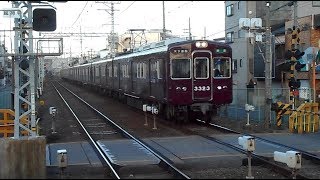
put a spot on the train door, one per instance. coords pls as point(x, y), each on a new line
point(201, 79)
point(155, 77)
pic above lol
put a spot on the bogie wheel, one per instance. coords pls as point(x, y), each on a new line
point(167, 113)
point(208, 117)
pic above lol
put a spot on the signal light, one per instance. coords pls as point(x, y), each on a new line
point(298, 54)
point(44, 19)
point(294, 84)
point(24, 64)
point(288, 54)
point(299, 66)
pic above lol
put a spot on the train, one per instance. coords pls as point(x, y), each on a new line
point(181, 79)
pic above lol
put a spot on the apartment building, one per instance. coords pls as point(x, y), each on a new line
point(248, 67)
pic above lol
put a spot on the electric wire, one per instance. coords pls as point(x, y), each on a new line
point(80, 13)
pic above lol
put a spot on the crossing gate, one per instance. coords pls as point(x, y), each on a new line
point(281, 109)
point(305, 118)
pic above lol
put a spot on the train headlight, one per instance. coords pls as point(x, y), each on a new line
point(201, 44)
point(219, 87)
point(184, 88)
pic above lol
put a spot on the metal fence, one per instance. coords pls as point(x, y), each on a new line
point(5, 97)
point(256, 97)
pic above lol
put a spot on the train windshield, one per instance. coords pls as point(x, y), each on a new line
point(201, 69)
point(221, 67)
point(180, 68)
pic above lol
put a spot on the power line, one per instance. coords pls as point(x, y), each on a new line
point(222, 31)
point(80, 13)
point(127, 8)
point(179, 6)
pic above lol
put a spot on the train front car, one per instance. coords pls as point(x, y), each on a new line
point(199, 79)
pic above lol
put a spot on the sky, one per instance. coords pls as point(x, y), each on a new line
point(206, 18)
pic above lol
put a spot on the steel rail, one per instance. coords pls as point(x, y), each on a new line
point(91, 139)
point(167, 163)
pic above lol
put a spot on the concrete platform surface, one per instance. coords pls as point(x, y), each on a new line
point(177, 149)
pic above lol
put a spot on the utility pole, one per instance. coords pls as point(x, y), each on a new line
point(189, 30)
point(295, 20)
point(294, 46)
point(24, 68)
point(111, 12)
point(268, 69)
point(164, 22)
point(81, 56)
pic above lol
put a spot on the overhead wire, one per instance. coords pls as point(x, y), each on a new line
point(126, 8)
point(80, 13)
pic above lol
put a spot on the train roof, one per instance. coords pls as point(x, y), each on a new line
point(152, 48)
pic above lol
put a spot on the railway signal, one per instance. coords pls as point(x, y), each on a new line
point(44, 19)
point(294, 84)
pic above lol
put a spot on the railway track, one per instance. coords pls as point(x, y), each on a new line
point(96, 126)
point(205, 131)
point(307, 172)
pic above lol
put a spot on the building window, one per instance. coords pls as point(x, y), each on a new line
point(241, 34)
point(229, 10)
point(239, 4)
point(229, 38)
point(234, 65)
point(240, 63)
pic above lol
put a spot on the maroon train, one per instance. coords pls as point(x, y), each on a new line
point(183, 79)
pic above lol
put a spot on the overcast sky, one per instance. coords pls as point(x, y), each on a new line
point(206, 18)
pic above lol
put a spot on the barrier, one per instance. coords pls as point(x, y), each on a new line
point(7, 123)
point(305, 118)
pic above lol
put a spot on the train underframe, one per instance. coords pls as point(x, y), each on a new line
point(178, 113)
point(188, 113)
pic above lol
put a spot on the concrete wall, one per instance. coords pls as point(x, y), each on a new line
point(24, 158)
point(305, 8)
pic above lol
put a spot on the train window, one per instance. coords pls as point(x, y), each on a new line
point(155, 71)
point(201, 65)
point(97, 71)
point(141, 70)
point(138, 70)
point(103, 71)
point(110, 71)
point(144, 68)
point(180, 68)
point(127, 70)
point(159, 72)
point(115, 72)
point(124, 70)
point(221, 67)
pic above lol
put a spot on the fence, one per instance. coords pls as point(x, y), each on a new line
point(256, 97)
point(6, 97)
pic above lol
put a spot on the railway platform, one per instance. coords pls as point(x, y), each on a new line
point(180, 149)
